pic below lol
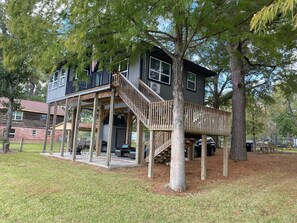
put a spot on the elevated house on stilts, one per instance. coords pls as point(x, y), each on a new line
point(141, 90)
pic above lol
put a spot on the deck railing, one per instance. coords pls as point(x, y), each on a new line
point(197, 118)
point(162, 141)
point(159, 116)
point(149, 93)
point(136, 101)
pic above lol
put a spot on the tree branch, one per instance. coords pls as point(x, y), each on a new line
point(258, 64)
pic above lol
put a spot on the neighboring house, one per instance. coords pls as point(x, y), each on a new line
point(29, 121)
point(140, 90)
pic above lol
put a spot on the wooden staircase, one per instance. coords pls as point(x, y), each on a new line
point(156, 114)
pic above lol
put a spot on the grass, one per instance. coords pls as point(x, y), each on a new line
point(32, 147)
point(35, 188)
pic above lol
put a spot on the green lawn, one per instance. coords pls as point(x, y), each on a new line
point(35, 188)
point(33, 147)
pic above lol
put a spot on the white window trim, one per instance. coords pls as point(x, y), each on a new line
point(124, 71)
point(14, 115)
point(53, 84)
point(159, 71)
point(12, 134)
point(62, 77)
point(34, 132)
point(188, 88)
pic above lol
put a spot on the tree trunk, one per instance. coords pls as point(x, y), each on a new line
point(238, 146)
point(32, 88)
point(177, 165)
point(8, 125)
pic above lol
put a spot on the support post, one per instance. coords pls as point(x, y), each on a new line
point(99, 129)
point(110, 129)
point(129, 128)
point(72, 129)
point(190, 153)
point(21, 144)
point(203, 157)
point(64, 129)
point(48, 119)
point(93, 130)
point(225, 157)
point(151, 154)
point(193, 150)
point(68, 140)
point(76, 128)
point(53, 128)
point(139, 156)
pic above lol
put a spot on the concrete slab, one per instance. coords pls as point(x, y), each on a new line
point(116, 162)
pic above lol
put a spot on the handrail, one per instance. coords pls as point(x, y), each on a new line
point(149, 92)
point(162, 141)
point(121, 76)
point(197, 118)
point(136, 101)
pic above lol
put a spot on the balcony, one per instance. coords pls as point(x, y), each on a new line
point(96, 79)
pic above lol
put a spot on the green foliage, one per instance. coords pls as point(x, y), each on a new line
point(273, 11)
point(285, 124)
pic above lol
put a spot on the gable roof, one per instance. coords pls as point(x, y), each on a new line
point(34, 106)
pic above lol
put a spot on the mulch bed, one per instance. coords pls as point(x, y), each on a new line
point(256, 164)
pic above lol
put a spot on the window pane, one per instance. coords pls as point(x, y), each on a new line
point(154, 75)
point(165, 79)
point(56, 76)
point(192, 77)
point(165, 68)
point(191, 85)
point(155, 64)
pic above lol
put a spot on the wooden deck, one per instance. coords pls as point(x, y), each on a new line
point(157, 114)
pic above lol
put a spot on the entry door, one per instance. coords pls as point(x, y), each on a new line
point(120, 137)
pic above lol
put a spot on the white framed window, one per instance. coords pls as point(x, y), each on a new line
point(123, 67)
point(191, 81)
point(62, 77)
point(160, 71)
point(17, 115)
point(34, 132)
point(53, 83)
point(43, 117)
point(12, 133)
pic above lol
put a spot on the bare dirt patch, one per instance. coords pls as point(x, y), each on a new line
point(283, 163)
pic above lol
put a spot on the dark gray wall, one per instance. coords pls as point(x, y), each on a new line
point(196, 97)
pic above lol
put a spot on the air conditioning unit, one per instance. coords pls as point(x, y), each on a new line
point(155, 87)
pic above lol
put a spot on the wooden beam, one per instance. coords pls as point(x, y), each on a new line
point(225, 157)
point(189, 152)
point(203, 157)
point(129, 127)
point(93, 130)
point(74, 112)
point(151, 155)
point(64, 128)
point(76, 129)
point(68, 140)
point(48, 119)
point(88, 96)
point(110, 129)
point(53, 128)
point(99, 130)
point(139, 156)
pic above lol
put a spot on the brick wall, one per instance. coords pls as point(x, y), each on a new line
point(27, 134)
